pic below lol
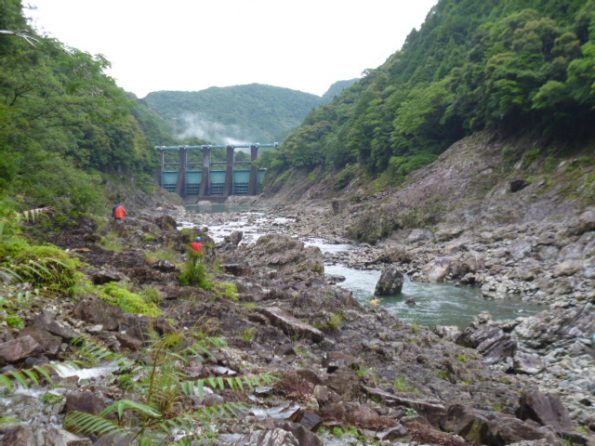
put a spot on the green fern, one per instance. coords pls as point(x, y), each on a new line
point(163, 402)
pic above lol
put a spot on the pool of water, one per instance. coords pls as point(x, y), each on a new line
point(435, 304)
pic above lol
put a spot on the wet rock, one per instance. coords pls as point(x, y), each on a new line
point(411, 302)
point(85, 401)
point(546, 409)
point(390, 282)
point(492, 428)
point(18, 349)
point(527, 363)
point(291, 325)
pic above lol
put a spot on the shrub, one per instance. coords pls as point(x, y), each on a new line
point(195, 273)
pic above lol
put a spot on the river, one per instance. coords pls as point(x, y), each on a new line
point(421, 303)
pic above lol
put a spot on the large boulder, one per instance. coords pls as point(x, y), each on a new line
point(390, 282)
point(546, 409)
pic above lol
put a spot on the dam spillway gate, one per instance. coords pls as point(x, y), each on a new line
point(189, 175)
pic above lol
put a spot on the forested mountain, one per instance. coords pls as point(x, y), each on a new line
point(244, 113)
point(336, 89)
point(64, 125)
point(513, 66)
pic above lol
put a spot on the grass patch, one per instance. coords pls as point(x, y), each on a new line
point(128, 301)
point(403, 385)
point(226, 290)
point(112, 242)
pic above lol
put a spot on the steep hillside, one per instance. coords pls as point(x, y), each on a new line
point(244, 113)
point(516, 67)
point(64, 125)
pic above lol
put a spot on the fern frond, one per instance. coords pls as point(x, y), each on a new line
point(122, 406)
point(9, 275)
point(190, 388)
point(26, 377)
point(90, 352)
point(89, 424)
point(31, 215)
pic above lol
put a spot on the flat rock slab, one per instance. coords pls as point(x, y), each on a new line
point(290, 324)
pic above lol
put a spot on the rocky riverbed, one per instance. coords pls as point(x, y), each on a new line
point(346, 373)
point(552, 350)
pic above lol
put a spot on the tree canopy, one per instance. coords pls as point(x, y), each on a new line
point(63, 122)
point(512, 65)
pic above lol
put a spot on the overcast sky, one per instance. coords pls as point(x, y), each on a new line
point(191, 45)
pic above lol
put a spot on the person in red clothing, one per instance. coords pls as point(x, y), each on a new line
point(119, 212)
point(197, 245)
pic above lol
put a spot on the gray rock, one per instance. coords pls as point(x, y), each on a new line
point(268, 437)
point(527, 363)
point(438, 269)
point(546, 409)
point(492, 428)
point(290, 324)
point(85, 402)
point(390, 282)
point(48, 342)
point(47, 321)
point(18, 349)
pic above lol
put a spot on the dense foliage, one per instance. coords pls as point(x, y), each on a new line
point(522, 65)
point(244, 113)
point(63, 122)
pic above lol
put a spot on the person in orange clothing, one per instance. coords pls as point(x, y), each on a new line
point(119, 213)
